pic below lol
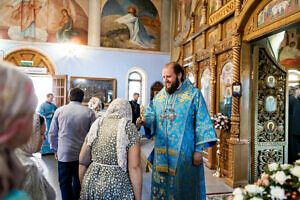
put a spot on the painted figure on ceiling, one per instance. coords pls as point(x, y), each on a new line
point(66, 30)
point(26, 11)
point(138, 34)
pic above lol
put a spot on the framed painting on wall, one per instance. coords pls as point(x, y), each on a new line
point(103, 88)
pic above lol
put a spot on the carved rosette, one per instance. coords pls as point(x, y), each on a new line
point(235, 117)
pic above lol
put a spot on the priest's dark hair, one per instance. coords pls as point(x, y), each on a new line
point(177, 69)
point(76, 94)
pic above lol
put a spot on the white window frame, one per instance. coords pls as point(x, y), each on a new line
point(144, 94)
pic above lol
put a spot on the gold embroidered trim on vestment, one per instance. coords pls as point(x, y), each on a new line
point(161, 150)
point(172, 152)
point(172, 171)
point(161, 169)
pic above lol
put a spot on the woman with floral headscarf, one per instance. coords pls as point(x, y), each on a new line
point(109, 162)
point(18, 102)
point(96, 105)
point(35, 184)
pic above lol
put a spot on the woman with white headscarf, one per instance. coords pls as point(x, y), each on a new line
point(35, 184)
point(109, 161)
point(18, 102)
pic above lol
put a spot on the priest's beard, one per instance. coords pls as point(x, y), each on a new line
point(173, 87)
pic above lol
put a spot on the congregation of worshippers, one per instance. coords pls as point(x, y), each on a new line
point(152, 99)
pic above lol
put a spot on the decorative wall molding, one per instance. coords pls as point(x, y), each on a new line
point(202, 55)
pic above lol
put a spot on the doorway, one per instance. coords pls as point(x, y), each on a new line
point(43, 84)
point(275, 68)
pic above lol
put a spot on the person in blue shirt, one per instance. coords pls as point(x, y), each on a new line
point(47, 109)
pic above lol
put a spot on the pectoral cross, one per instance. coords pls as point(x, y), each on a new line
point(163, 116)
point(172, 115)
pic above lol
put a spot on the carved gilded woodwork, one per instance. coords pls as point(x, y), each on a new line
point(25, 54)
point(237, 8)
point(221, 32)
point(268, 16)
point(223, 46)
point(222, 13)
point(202, 55)
point(269, 138)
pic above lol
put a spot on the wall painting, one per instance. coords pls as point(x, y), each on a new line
point(187, 50)
point(206, 88)
point(275, 9)
point(44, 20)
point(225, 102)
point(213, 36)
point(228, 28)
point(198, 19)
point(130, 24)
point(199, 43)
point(213, 6)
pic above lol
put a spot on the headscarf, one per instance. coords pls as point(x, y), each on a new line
point(95, 104)
point(121, 109)
point(17, 100)
point(32, 144)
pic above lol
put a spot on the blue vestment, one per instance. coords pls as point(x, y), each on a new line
point(46, 109)
point(181, 125)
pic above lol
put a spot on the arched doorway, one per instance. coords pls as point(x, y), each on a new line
point(268, 30)
point(32, 58)
point(38, 59)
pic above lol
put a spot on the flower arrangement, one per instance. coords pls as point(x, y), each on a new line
point(279, 181)
point(220, 121)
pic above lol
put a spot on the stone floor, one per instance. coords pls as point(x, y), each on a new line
point(213, 184)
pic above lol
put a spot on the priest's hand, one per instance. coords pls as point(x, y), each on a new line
point(140, 123)
point(197, 158)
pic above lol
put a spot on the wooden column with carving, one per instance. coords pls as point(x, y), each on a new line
point(235, 116)
point(212, 65)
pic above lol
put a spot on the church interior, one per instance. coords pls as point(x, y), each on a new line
point(244, 56)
